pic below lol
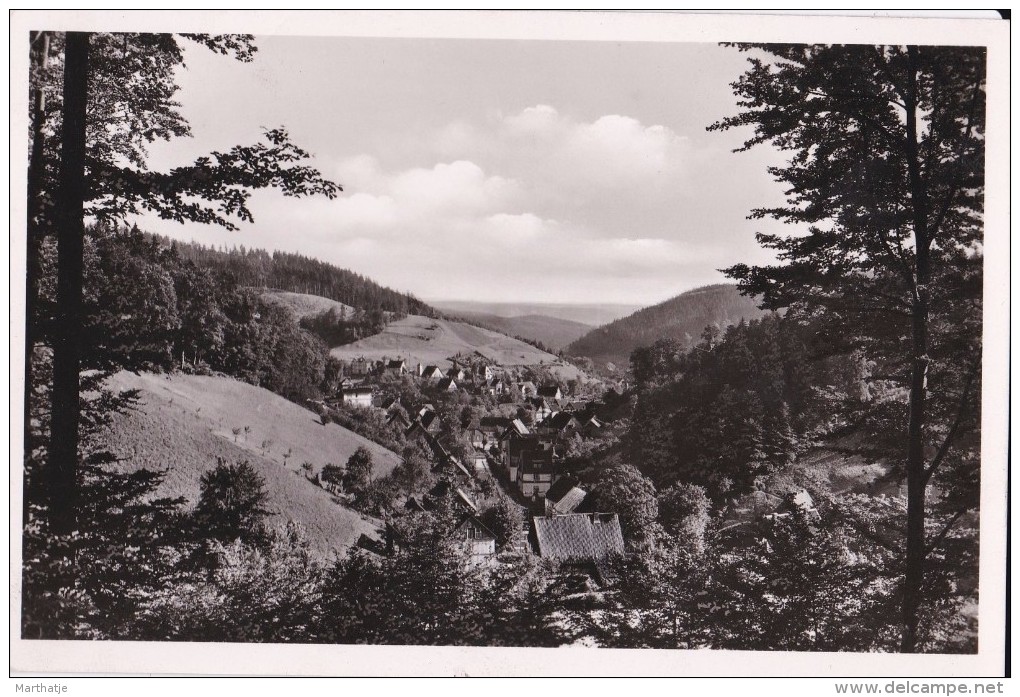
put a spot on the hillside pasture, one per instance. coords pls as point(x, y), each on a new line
point(183, 423)
point(434, 341)
point(304, 305)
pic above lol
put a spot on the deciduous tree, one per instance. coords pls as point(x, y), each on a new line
point(117, 97)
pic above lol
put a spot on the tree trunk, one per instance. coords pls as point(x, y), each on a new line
point(63, 456)
point(34, 229)
point(914, 570)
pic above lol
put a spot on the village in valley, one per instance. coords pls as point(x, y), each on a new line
point(511, 437)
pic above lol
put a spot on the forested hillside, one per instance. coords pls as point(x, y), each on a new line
point(147, 307)
point(682, 318)
point(768, 423)
point(296, 273)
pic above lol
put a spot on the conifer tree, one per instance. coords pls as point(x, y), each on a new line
point(886, 181)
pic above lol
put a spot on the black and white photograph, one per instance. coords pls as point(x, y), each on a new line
point(335, 334)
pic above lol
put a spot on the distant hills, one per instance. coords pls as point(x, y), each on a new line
point(683, 317)
point(553, 332)
point(592, 314)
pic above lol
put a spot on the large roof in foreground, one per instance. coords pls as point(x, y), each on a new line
point(578, 537)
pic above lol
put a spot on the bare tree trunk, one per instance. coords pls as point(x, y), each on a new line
point(64, 437)
point(914, 570)
point(34, 230)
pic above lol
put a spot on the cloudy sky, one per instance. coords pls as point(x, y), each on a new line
point(493, 170)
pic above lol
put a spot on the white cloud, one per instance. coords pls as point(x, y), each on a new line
point(534, 205)
point(457, 187)
point(539, 120)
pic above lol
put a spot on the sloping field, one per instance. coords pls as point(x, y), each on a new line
point(303, 305)
point(183, 423)
point(554, 332)
point(435, 341)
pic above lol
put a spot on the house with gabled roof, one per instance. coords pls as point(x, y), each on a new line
point(397, 419)
point(577, 538)
point(430, 420)
point(527, 389)
point(416, 432)
point(432, 373)
point(564, 496)
point(357, 396)
point(537, 467)
point(543, 408)
point(591, 426)
point(359, 366)
point(551, 391)
point(396, 367)
point(561, 423)
point(447, 385)
point(460, 499)
point(493, 426)
point(477, 539)
point(515, 430)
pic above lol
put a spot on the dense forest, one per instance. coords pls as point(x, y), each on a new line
point(681, 318)
point(147, 307)
point(300, 274)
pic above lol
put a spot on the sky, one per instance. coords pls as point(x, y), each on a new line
point(493, 170)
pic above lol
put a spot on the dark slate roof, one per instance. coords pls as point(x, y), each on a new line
point(538, 461)
point(559, 421)
point(578, 537)
point(548, 390)
point(478, 524)
point(566, 496)
point(427, 418)
point(398, 416)
point(560, 488)
point(396, 364)
point(445, 383)
point(570, 501)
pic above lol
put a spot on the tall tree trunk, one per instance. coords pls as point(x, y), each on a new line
point(33, 249)
point(914, 571)
point(63, 456)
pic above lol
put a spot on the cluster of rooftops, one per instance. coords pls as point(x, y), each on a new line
point(568, 532)
point(561, 521)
